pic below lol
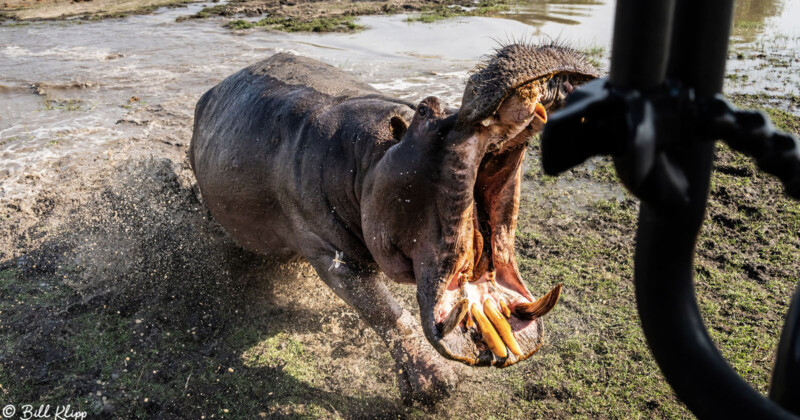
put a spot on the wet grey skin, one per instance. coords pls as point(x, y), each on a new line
point(295, 157)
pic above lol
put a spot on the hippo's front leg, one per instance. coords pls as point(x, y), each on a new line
point(422, 375)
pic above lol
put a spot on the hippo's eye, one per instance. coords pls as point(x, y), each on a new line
point(423, 111)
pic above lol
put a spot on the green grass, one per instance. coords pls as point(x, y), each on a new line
point(737, 77)
point(781, 119)
point(440, 12)
point(329, 24)
point(218, 10)
point(50, 104)
point(595, 53)
point(746, 24)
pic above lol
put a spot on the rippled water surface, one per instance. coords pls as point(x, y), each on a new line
point(69, 89)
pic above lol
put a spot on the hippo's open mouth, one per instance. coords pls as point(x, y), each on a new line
point(483, 313)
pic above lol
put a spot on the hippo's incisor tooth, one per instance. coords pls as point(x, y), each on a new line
point(504, 308)
point(470, 323)
point(501, 325)
point(488, 332)
point(531, 310)
point(455, 317)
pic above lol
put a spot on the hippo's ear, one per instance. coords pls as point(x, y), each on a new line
point(398, 127)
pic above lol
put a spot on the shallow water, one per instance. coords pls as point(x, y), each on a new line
point(764, 57)
point(71, 89)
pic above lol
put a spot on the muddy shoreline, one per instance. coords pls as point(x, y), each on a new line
point(292, 16)
point(33, 10)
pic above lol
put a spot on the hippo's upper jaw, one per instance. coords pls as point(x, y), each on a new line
point(446, 215)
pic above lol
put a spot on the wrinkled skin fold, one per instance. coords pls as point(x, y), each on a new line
point(295, 157)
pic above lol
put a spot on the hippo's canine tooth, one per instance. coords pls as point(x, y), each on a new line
point(455, 317)
point(504, 308)
point(488, 332)
point(531, 310)
point(470, 323)
point(540, 112)
point(501, 326)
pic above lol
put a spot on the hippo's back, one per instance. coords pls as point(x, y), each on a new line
point(268, 138)
point(295, 70)
point(243, 102)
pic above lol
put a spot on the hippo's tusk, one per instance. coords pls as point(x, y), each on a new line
point(539, 112)
point(501, 325)
point(531, 310)
point(488, 332)
point(470, 323)
point(455, 317)
point(504, 308)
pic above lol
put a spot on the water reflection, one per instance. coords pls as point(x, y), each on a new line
point(587, 22)
point(565, 12)
point(751, 16)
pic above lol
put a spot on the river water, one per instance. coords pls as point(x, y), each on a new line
point(71, 91)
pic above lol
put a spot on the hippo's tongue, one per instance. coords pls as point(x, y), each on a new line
point(515, 66)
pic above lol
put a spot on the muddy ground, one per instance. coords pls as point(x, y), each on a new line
point(291, 15)
point(121, 296)
point(92, 9)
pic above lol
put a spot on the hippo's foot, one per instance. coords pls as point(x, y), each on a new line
point(422, 374)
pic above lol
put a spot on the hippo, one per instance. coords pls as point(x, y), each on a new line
point(294, 157)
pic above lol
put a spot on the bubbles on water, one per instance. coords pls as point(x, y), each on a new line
point(63, 53)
